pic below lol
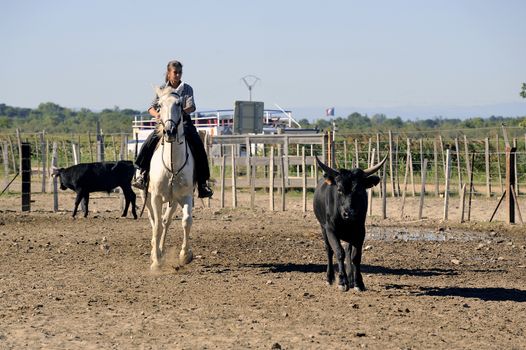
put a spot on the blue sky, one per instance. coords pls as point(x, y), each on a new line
point(410, 58)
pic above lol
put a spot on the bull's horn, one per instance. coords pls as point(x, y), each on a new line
point(374, 169)
point(328, 170)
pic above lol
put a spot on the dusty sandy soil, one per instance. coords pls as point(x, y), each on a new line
point(257, 281)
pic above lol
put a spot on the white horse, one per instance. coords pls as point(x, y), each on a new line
point(171, 178)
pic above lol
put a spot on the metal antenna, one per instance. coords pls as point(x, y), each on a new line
point(250, 81)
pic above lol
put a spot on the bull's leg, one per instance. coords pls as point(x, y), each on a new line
point(85, 201)
point(167, 219)
point(129, 197)
point(328, 250)
point(157, 227)
point(77, 202)
point(356, 280)
point(186, 255)
point(347, 248)
point(343, 283)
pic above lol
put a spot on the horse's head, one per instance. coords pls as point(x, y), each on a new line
point(171, 112)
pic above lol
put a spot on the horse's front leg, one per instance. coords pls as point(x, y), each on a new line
point(186, 255)
point(167, 219)
point(148, 203)
point(157, 227)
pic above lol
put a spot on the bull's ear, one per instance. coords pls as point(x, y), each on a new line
point(371, 181)
point(329, 180)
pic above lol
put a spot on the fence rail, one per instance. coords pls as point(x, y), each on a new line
point(415, 167)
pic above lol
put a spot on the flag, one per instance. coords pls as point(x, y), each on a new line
point(329, 112)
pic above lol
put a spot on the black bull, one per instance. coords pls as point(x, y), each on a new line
point(98, 177)
point(340, 205)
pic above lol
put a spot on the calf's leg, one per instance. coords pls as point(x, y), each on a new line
point(328, 250)
point(78, 199)
point(129, 197)
point(85, 200)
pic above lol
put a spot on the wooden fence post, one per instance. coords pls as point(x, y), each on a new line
point(304, 174)
point(43, 151)
point(283, 172)
point(5, 158)
point(16, 166)
point(422, 189)
point(356, 154)
point(515, 165)
point(435, 159)
point(223, 173)
point(462, 202)
point(54, 163)
point(391, 165)
point(498, 163)
point(252, 183)
point(466, 148)
point(488, 174)
point(410, 158)
point(397, 178)
point(75, 150)
point(459, 169)
point(234, 189)
point(271, 179)
point(344, 154)
point(384, 193)
point(19, 144)
point(446, 190)
point(370, 190)
point(114, 147)
point(405, 186)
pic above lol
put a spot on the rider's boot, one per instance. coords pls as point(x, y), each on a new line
point(203, 191)
point(140, 179)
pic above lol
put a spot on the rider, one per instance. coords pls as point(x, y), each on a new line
point(174, 71)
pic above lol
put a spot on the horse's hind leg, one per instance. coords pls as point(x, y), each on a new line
point(167, 219)
point(186, 256)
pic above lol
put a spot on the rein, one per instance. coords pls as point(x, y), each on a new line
point(171, 170)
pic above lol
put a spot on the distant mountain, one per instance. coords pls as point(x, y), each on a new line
point(516, 109)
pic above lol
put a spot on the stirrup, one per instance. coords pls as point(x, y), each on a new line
point(204, 191)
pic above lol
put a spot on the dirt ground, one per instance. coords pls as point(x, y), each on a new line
point(258, 280)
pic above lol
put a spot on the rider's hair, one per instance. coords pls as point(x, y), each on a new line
point(174, 65)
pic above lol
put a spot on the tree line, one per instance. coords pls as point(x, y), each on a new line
point(57, 119)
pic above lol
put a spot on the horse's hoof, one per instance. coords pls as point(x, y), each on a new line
point(155, 267)
point(186, 257)
point(343, 287)
point(360, 289)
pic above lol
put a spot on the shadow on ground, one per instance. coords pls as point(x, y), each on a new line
point(318, 268)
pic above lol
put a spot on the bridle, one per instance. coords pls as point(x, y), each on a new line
point(169, 139)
